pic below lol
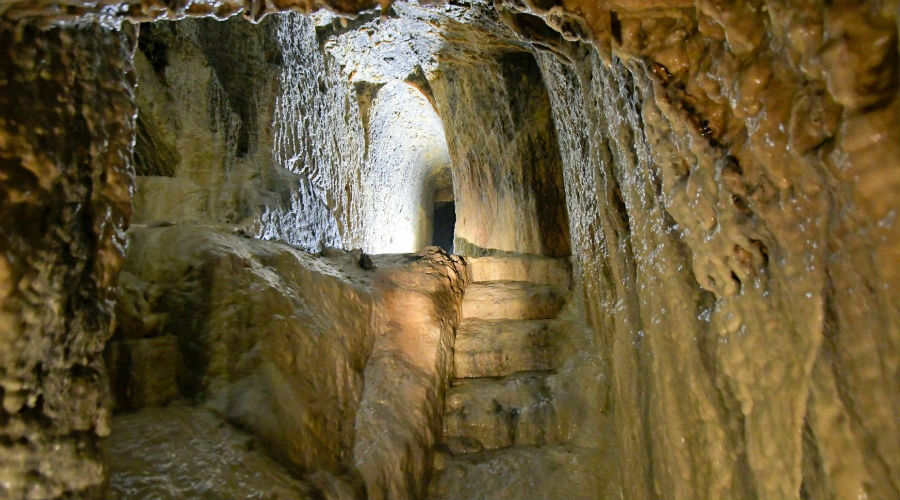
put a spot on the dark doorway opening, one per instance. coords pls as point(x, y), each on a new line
point(444, 222)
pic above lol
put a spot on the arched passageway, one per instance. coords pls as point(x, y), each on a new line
point(407, 171)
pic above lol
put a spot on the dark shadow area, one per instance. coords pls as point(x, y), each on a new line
point(444, 222)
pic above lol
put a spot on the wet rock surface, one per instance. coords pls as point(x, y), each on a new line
point(525, 397)
point(710, 268)
point(144, 372)
point(182, 451)
point(493, 348)
point(527, 472)
point(249, 317)
point(238, 127)
point(305, 140)
point(66, 127)
point(508, 184)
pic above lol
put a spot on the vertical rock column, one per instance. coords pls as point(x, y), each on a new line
point(66, 130)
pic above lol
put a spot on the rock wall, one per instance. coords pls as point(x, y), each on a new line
point(269, 339)
point(307, 155)
point(270, 137)
point(66, 129)
point(399, 419)
point(319, 136)
point(337, 365)
point(506, 165)
point(245, 125)
point(203, 150)
point(487, 92)
point(189, 452)
point(729, 192)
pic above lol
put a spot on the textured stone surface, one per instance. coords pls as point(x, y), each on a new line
point(493, 348)
point(250, 316)
point(730, 187)
point(524, 386)
point(319, 137)
point(521, 268)
point(311, 140)
point(507, 179)
point(335, 368)
point(513, 410)
point(512, 300)
point(407, 163)
point(720, 242)
point(226, 101)
point(140, 10)
point(270, 137)
point(399, 419)
point(66, 127)
point(144, 372)
point(187, 452)
point(527, 472)
point(490, 425)
point(203, 150)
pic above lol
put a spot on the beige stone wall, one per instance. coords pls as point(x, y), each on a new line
point(730, 177)
point(338, 368)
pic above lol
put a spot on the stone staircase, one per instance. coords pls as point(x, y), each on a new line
point(505, 352)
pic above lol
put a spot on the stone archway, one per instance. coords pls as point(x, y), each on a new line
point(407, 165)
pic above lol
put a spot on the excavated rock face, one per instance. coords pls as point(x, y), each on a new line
point(247, 319)
point(407, 164)
point(336, 364)
point(183, 451)
point(295, 133)
point(508, 182)
point(724, 176)
point(205, 97)
point(260, 135)
point(66, 128)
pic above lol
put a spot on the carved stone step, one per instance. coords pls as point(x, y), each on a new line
point(512, 300)
point(513, 410)
point(554, 471)
point(498, 347)
point(542, 270)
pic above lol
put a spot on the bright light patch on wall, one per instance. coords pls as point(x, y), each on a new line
point(407, 163)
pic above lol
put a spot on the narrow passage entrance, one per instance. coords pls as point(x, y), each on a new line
point(444, 222)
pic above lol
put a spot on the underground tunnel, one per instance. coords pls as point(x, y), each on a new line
point(340, 249)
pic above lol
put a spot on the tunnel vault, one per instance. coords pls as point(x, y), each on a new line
point(407, 165)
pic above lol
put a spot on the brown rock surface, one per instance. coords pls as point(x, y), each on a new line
point(337, 369)
point(722, 248)
point(66, 126)
point(493, 348)
point(144, 372)
point(186, 452)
